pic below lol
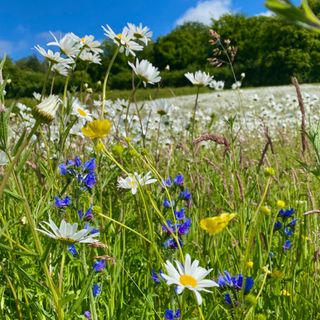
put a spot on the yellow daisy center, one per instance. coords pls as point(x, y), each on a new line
point(132, 183)
point(119, 35)
point(82, 112)
point(82, 39)
point(187, 280)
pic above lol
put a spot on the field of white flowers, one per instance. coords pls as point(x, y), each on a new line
point(196, 207)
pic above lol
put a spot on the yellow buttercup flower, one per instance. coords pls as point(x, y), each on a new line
point(266, 210)
point(249, 264)
point(217, 224)
point(281, 204)
point(285, 293)
point(97, 129)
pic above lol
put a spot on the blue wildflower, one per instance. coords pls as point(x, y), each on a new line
point(179, 214)
point(227, 299)
point(288, 231)
point(170, 228)
point(277, 225)
point(87, 314)
point(60, 203)
point(248, 285)
point(293, 223)
point(271, 255)
point(87, 216)
point(96, 290)
point(184, 228)
point(287, 245)
point(155, 277)
point(172, 244)
point(185, 194)
point(99, 265)
point(228, 281)
point(90, 165)
point(77, 161)
point(63, 169)
point(286, 213)
point(179, 180)
point(170, 315)
point(71, 248)
point(225, 280)
point(167, 203)
point(90, 180)
point(166, 183)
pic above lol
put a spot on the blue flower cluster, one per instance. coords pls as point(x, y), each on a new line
point(171, 315)
point(234, 283)
point(83, 173)
point(286, 225)
point(182, 224)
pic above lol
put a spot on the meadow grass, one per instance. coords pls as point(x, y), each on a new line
point(106, 167)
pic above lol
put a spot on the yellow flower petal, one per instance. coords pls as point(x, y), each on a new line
point(217, 224)
point(97, 129)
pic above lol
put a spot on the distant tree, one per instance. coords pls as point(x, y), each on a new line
point(187, 45)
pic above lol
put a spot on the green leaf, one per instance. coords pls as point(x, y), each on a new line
point(303, 15)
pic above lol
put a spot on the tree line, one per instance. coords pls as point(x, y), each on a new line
point(269, 52)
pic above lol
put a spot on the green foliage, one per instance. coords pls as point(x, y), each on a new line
point(269, 51)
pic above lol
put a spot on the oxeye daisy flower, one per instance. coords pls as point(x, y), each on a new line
point(140, 33)
point(123, 40)
point(62, 68)
point(46, 110)
point(189, 276)
point(217, 224)
point(67, 233)
point(97, 129)
point(80, 111)
point(88, 42)
point(199, 78)
point(90, 57)
point(68, 44)
point(132, 181)
point(146, 71)
point(53, 57)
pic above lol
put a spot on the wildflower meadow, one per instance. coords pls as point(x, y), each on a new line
point(204, 206)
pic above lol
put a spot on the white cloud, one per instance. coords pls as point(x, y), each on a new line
point(267, 13)
point(204, 11)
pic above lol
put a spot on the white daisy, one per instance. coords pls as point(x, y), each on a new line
point(37, 95)
point(46, 110)
point(140, 33)
point(54, 57)
point(62, 68)
point(146, 71)
point(89, 56)
point(69, 44)
point(88, 42)
point(68, 233)
point(133, 181)
point(199, 78)
point(80, 111)
point(189, 276)
point(123, 40)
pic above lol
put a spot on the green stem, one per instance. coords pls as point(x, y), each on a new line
point(31, 223)
point(16, 158)
point(194, 114)
point(254, 224)
point(45, 81)
point(104, 88)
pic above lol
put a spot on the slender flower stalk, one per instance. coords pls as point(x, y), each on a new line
point(105, 81)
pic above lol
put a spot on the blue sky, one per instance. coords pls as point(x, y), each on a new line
point(24, 24)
